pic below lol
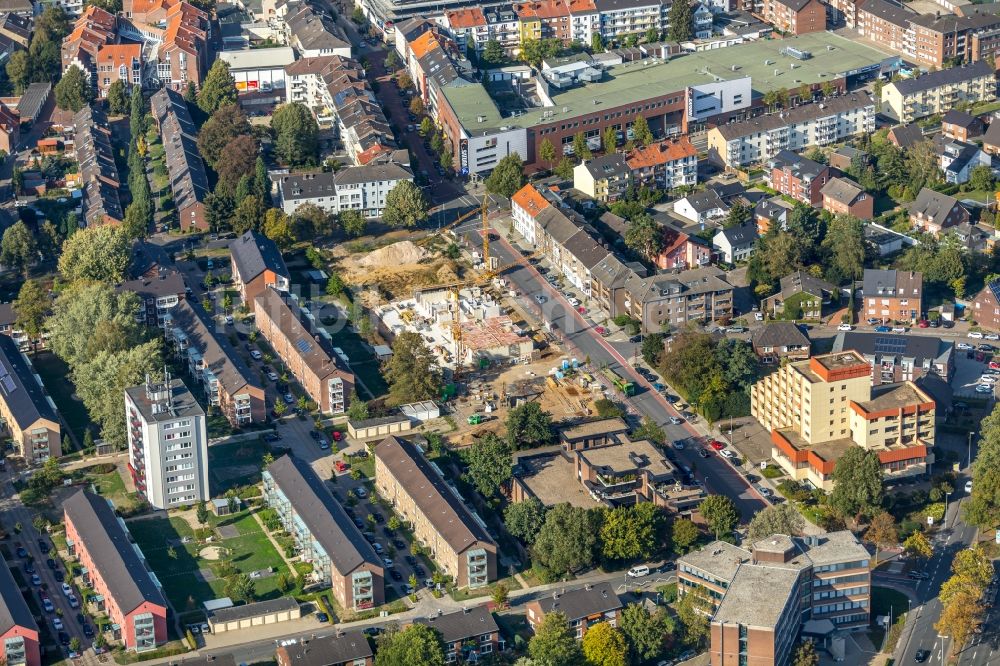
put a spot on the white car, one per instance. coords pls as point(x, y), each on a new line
point(273, 376)
point(759, 316)
point(975, 335)
point(984, 388)
point(57, 624)
point(675, 420)
point(727, 453)
point(992, 336)
point(256, 355)
point(988, 379)
point(73, 601)
point(575, 302)
point(66, 589)
point(638, 572)
point(965, 346)
point(899, 329)
point(845, 327)
point(968, 486)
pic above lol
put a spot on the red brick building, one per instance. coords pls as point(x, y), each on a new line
point(842, 196)
point(986, 307)
point(257, 264)
point(123, 587)
point(583, 607)
point(795, 17)
point(798, 177)
point(18, 630)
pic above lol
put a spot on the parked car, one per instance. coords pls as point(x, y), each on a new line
point(968, 486)
point(992, 336)
point(975, 335)
point(717, 445)
point(882, 329)
point(704, 453)
point(899, 329)
point(963, 346)
point(845, 327)
point(727, 453)
point(256, 355)
point(638, 571)
point(679, 445)
point(676, 421)
point(288, 398)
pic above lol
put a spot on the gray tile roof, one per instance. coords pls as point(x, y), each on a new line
point(114, 556)
point(705, 201)
point(169, 282)
point(892, 283)
point(959, 118)
point(907, 135)
point(14, 611)
point(992, 135)
point(607, 166)
point(797, 165)
point(919, 348)
point(219, 356)
point(842, 189)
point(314, 30)
point(586, 250)
point(313, 349)
point(741, 235)
point(456, 524)
point(800, 281)
point(326, 519)
point(936, 206)
point(894, 14)
point(25, 399)
point(944, 77)
point(799, 114)
point(582, 602)
point(683, 284)
point(780, 334)
point(339, 648)
point(98, 171)
point(369, 173)
point(254, 253)
point(188, 179)
point(464, 624)
point(611, 272)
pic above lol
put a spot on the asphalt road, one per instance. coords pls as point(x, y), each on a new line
point(718, 475)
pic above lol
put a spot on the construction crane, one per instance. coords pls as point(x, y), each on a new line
point(481, 210)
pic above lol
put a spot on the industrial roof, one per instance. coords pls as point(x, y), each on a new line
point(279, 56)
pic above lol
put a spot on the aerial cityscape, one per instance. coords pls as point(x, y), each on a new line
point(544, 333)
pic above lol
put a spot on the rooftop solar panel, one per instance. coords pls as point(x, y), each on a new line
point(303, 345)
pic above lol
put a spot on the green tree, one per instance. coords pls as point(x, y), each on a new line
point(32, 307)
point(218, 89)
point(335, 285)
point(737, 215)
point(191, 95)
point(596, 43)
point(547, 152)
point(681, 19)
point(296, 134)
point(644, 236)
point(858, 488)
point(417, 644)
point(691, 612)
point(493, 53)
point(981, 178)
point(224, 125)
point(640, 131)
point(649, 430)
point(236, 165)
point(683, 534)
point(554, 643)
point(248, 215)
point(567, 542)
point(18, 249)
point(609, 139)
point(580, 147)
point(19, 70)
point(357, 409)
point(776, 519)
point(918, 545)
point(91, 317)
point(427, 127)
point(117, 99)
point(564, 169)
point(652, 348)
point(721, 514)
point(202, 514)
point(806, 654)
point(411, 371)
point(507, 176)
point(405, 205)
point(277, 226)
point(241, 587)
point(524, 519)
point(647, 634)
point(604, 645)
point(630, 533)
point(490, 464)
point(353, 222)
point(845, 246)
point(528, 426)
point(73, 92)
point(99, 253)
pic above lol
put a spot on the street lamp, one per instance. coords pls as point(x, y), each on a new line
point(969, 463)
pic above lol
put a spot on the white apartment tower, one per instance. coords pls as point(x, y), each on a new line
point(167, 443)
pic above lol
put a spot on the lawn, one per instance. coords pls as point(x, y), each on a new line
point(363, 362)
point(55, 376)
point(884, 601)
point(108, 484)
point(178, 566)
point(236, 464)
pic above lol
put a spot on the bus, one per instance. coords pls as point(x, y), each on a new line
point(623, 386)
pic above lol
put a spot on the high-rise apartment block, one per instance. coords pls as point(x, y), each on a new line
point(167, 443)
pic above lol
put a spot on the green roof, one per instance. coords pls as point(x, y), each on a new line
point(633, 82)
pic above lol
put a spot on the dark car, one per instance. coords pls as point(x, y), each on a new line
point(88, 631)
point(322, 617)
point(395, 574)
point(635, 338)
point(314, 435)
point(921, 656)
point(918, 575)
point(272, 437)
point(29, 568)
point(359, 523)
point(419, 571)
point(986, 348)
point(412, 561)
point(673, 399)
point(80, 619)
point(21, 551)
point(63, 638)
point(60, 576)
point(372, 631)
point(379, 518)
point(399, 544)
point(50, 563)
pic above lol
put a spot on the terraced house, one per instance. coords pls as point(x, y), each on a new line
point(188, 179)
point(324, 534)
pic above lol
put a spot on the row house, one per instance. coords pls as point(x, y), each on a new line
point(454, 536)
point(798, 177)
point(820, 123)
point(308, 354)
point(695, 295)
point(19, 639)
point(583, 607)
point(29, 416)
point(660, 165)
point(343, 648)
point(99, 178)
point(882, 22)
point(361, 188)
point(188, 178)
point(257, 264)
point(123, 586)
point(795, 17)
point(313, 33)
point(228, 383)
point(891, 295)
point(324, 534)
point(543, 19)
point(907, 359)
point(843, 196)
point(933, 212)
point(468, 634)
point(337, 92)
point(937, 92)
point(469, 28)
point(157, 295)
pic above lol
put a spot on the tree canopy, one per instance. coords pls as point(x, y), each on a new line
point(528, 426)
point(721, 514)
point(296, 135)
point(405, 205)
point(417, 644)
point(507, 176)
point(18, 249)
point(99, 253)
point(524, 519)
point(218, 89)
point(73, 92)
point(604, 645)
point(858, 488)
point(776, 519)
point(554, 643)
point(490, 464)
point(411, 371)
point(567, 541)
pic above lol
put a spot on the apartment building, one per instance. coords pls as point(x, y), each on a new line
point(362, 188)
point(257, 264)
point(798, 177)
point(817, 409)
point(344, 648)
point(891, 295)
point(211, 360)
point(813, 578)
point(94, 29)
point(682, 251)
point(468, 634)
point(324, 534)
point(961, 126)
point(737, 243)
point(795, 17)
point(123, 586)
point(188, 179)
point(543, 19)
point(583, 607)
point(19, 640)
point(933, 212)
point(28, 413)
point(843, 196)
point(313, 33)
point(807, 294)
point(99, 178)
point(939, 91)
point(604, 178)
point(336, 90)
point(820, 123)
point(308, 354)
point(167, 443)
point(778, 340)
point(986, 307)
point(456, 538)
point(468, 27)
point(664, 165)
point(181, 34)
point(118, 62)
point(900, 358)
point(625, 471)
point(699, 295)
point(157, 295)
point(619, 18)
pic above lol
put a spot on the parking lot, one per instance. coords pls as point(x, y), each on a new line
point(973, 364)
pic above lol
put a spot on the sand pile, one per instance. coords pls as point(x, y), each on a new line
point(397, 254)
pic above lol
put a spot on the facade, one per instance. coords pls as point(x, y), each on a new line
point(779, 340)
point(737, 243)
point(933, 212)
point(114, 568)
point(324, 534)
point(188, 179)
point(891, 295)
point(29, 415)
point(664, 164)
point(986, 307)
point(957, 159)
point(795, 17)
point(167, 444)
point(19, 644)
point(361, 188)
point(604, 178)
point(158, 296)
point(308, 355)
point(813, 578)
point(349, 648)
point(961, 126)
point(843, 196)
point(938, 92)
point(701, 207)
point(468, 634)
point(798, 177)
point(699, 294)
point(759, 139)
point(256, 265)
point(583, 607)
point(806, 294)
point(901, 358)
point(896, 420)
point(454, 535)
point(682, 251)
point(211, 360)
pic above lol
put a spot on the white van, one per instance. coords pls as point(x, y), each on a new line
point(638, 572)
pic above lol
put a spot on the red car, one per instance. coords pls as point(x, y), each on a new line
point(717, 445)
point(923, 323)
point(341, 466)
point(337, 435)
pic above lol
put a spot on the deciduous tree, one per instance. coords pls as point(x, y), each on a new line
point(547, 152)
point(528, 426)
point(776, 519)
point(647, 634)
point(580, 147)
point(683, 534)
point(918, 545)
point(507, 177)
point(630, 533)
point(225, 124)
point(640, 131)
point(882, 532)
point(858, 490)
point(554, 643)
point(604, 645)
point(117, 99)
point(90, 317)
point(99, 253)
point(73, 91)
point(644, 236)
point(353, 223)
point(493, 53)
point(411, 372)
point(417, 644)
point(295, 134)
point(845, 248)
point(490, 464)
point(721, 514)
point(405, 206)
point(524, 519)
point(18, 249)
point(567, 541)
point(218, 89)
point(806, 654)
point(32, 306)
